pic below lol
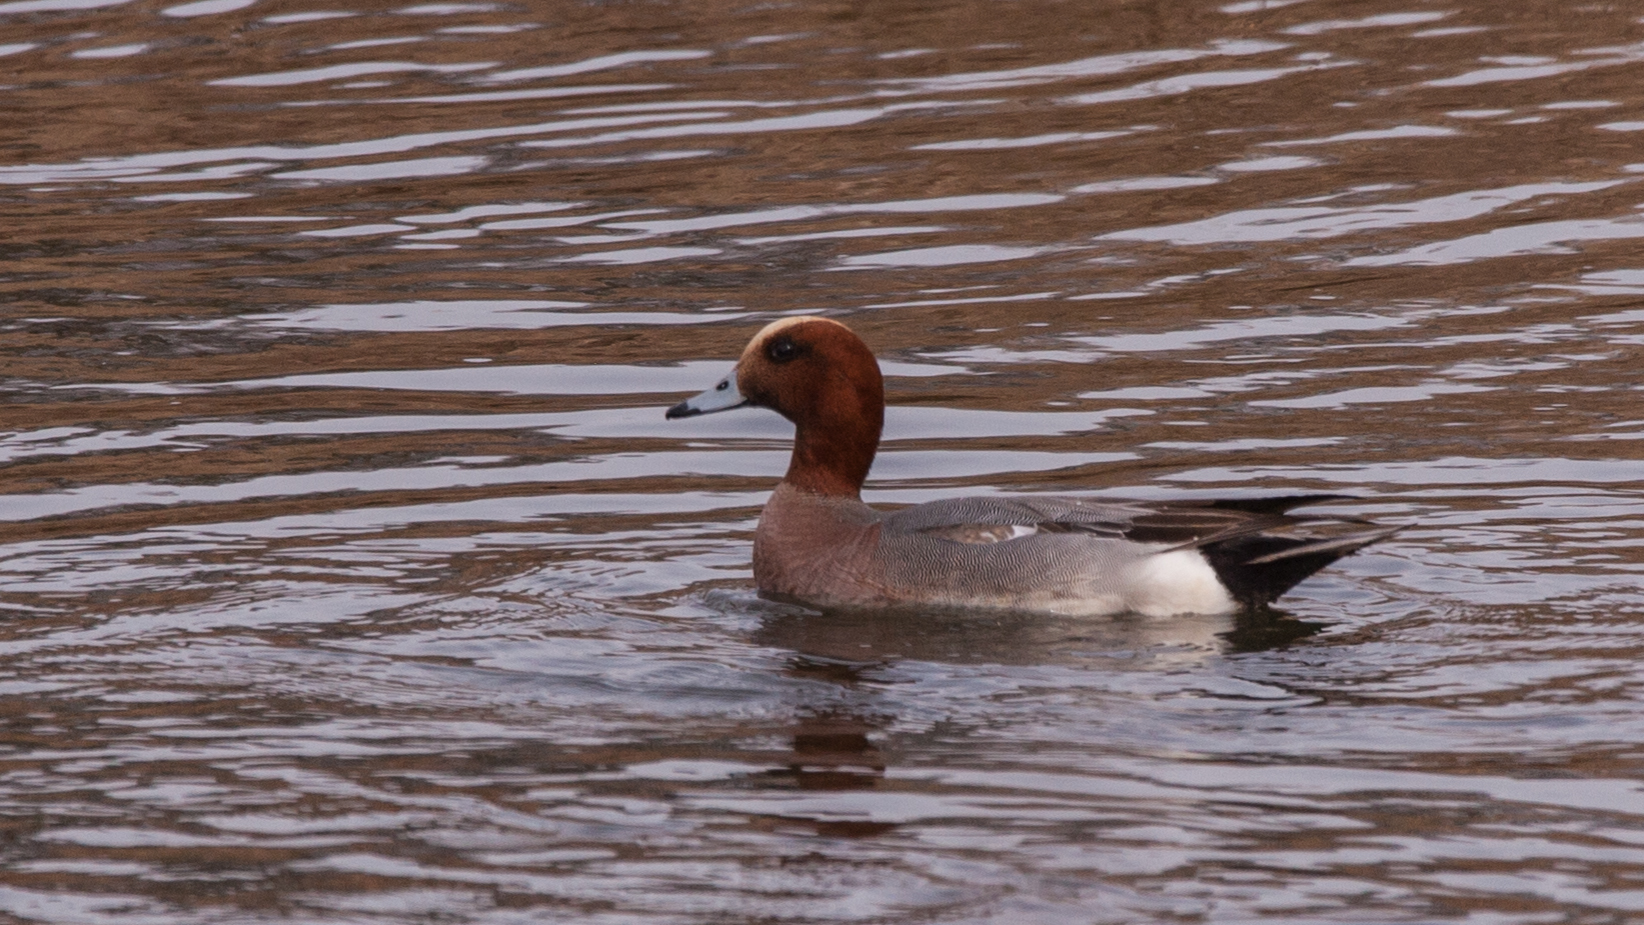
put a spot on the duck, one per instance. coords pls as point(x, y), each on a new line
point(819, 544)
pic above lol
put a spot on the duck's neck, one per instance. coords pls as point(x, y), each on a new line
point(833, 450)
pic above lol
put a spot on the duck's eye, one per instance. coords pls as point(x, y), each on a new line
point(781, 350)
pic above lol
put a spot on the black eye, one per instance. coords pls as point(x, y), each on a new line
point(781, 350)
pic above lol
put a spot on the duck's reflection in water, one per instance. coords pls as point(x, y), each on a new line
point(833, 746)
point(1267, 629)
point(865, 638)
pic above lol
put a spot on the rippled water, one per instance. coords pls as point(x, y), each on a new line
point(352, 575)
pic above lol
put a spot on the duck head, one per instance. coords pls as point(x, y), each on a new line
point(818, 374)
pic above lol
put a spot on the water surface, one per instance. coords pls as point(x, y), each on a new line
point(351, 573)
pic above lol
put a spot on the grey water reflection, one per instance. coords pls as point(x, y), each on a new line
point(351, 574)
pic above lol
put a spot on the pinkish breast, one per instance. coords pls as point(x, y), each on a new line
point(818, 548)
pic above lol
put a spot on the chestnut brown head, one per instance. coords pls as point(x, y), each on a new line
point(818, 374)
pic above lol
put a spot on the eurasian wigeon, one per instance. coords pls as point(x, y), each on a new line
point(819, 543)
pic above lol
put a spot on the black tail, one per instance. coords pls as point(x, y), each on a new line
point(1259, 567)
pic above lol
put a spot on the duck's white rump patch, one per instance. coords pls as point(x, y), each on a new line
point(1181, 581)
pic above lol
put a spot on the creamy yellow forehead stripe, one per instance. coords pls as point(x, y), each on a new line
point(781, 324)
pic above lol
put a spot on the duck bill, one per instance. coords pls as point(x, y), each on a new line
point(722, 397)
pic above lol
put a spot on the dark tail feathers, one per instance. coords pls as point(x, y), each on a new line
point(1258, 567)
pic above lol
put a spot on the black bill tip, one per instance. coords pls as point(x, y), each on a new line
point(681, 410)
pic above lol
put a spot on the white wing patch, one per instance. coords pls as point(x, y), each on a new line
point(981, 534)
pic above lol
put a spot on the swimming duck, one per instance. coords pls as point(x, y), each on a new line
point(818, 543)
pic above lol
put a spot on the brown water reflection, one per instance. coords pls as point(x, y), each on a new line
point(353, 575)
